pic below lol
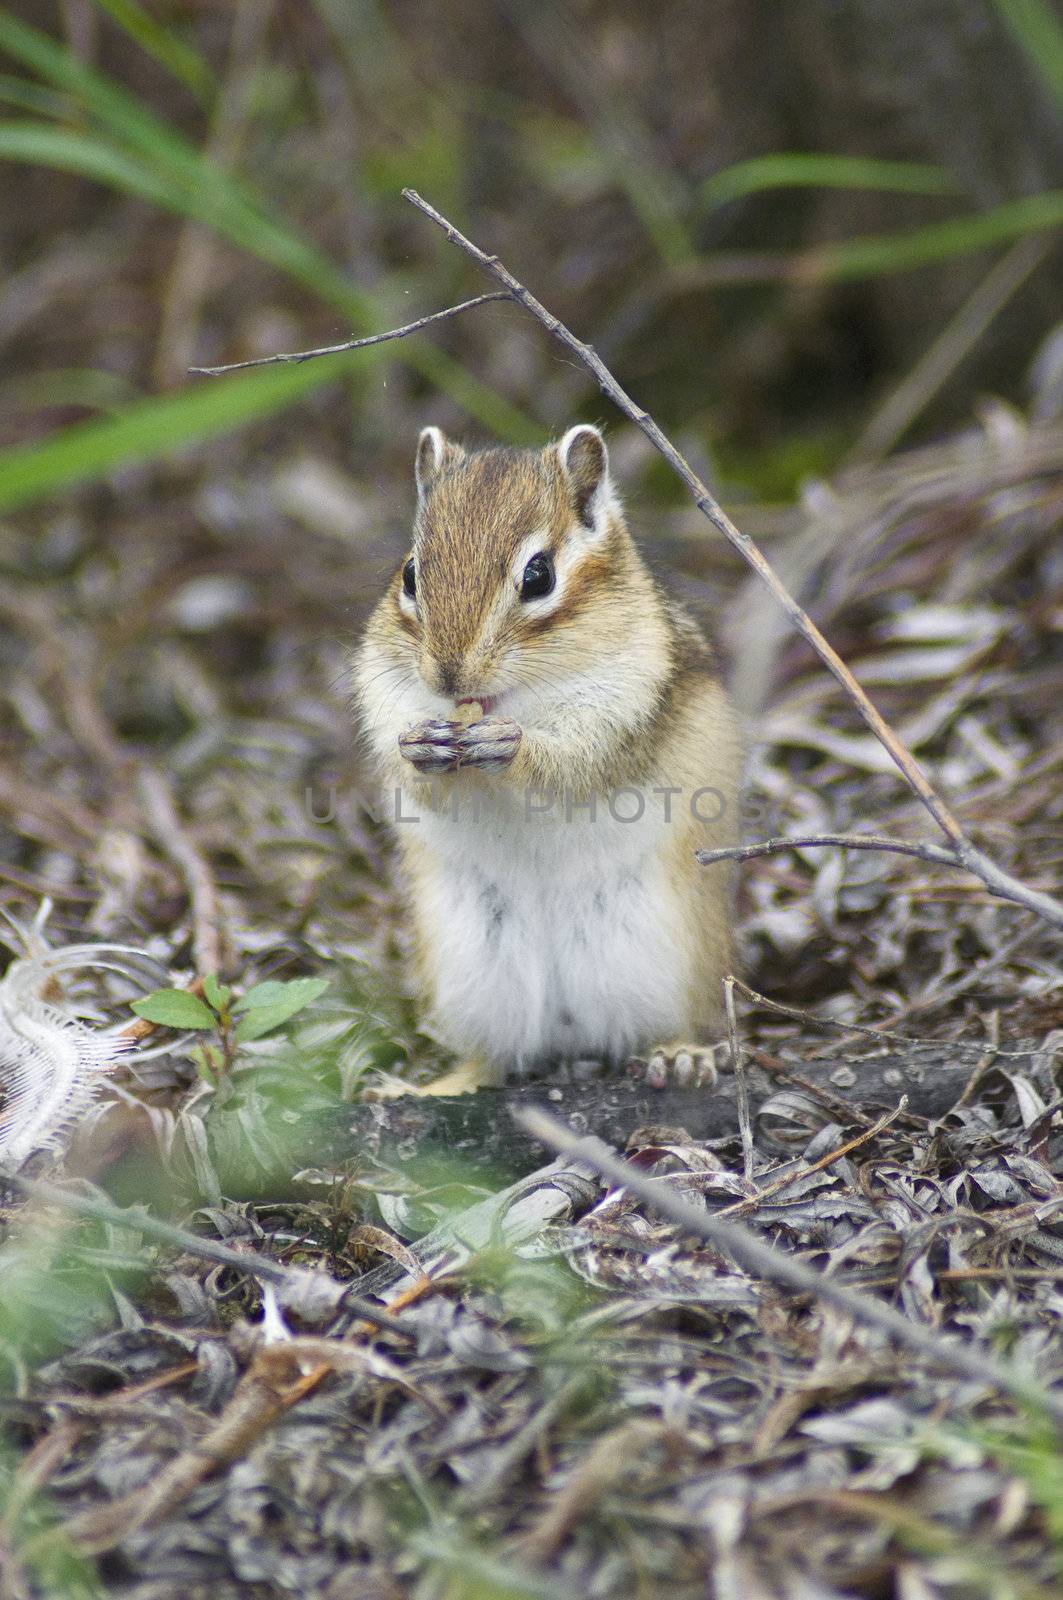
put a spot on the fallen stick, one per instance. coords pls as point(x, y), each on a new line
point(479, 1131)
point(762, 1260)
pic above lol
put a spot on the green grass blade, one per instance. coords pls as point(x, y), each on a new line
point(807, 171)
point(92, 388)
point(900, 252)
point(1038, 29)
point(151, 428)
point(91, 158)
point(190, 184)
point(112, 106)
point(30, 96)
point(167, 47)
point(44, 145)
point(193, 184)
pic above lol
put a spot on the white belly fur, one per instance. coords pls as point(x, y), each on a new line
point(548, 937)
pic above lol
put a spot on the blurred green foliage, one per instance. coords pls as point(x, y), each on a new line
point(1039, 30)
point(81, 119)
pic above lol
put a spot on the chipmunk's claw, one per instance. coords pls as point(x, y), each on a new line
point(437, 746)
point(678, 1066)
point(431, 746)
point(491, 742)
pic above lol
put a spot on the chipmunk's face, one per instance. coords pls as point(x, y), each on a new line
point(511, 548)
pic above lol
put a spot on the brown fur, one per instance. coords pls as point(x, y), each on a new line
point(477, 511)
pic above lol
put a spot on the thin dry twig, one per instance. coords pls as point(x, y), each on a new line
point(280, 1375)
point(763, 1261)
point(886, 1035)
point(963, 853)
point(295, 356)
point(275, 1382)
point(938, 854)
point(840, 1109)
point(742, 1208)
point(741, 1085)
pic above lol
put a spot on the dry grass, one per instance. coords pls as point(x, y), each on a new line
point(593, 1405)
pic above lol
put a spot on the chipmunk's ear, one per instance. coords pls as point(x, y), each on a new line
point(585, 464)
point(434, 454)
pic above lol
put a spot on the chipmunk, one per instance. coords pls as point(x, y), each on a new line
point(578, 746)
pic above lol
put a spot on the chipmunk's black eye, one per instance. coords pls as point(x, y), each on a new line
point(409, 579)
point(538, 578)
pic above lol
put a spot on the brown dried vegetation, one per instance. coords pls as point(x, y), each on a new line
point(567, 1395)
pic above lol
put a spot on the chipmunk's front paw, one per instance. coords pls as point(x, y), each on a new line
point(436, 746)
point(678, 1065)
point(491, 742)
point(432, 746)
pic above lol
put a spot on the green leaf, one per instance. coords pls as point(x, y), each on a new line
point(150, 159)
point(267, 1005)
point(273, 990)
point(152, 428)
point(185, 63)
point(82, 153)
point(218, 994)
point(899, 252)
point(869, 255)
point(795, 169)
point(174, 1008)
point(1039, 31)
point(263, 994)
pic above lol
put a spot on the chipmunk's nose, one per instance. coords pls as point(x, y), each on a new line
point(444, 676)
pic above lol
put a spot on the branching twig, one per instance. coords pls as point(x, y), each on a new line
point(963, 853)
point(883, 1035)
point(937, 853)
point(762, 1260)
point(295, 356)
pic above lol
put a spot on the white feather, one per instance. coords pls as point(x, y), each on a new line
point(52, 1064)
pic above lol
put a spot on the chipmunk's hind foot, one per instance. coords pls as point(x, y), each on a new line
point(678, 1065)
point(465, 1078)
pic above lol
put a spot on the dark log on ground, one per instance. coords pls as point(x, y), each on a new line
point(476, 1133)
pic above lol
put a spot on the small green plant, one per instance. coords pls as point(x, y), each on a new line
point(260, 1010)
